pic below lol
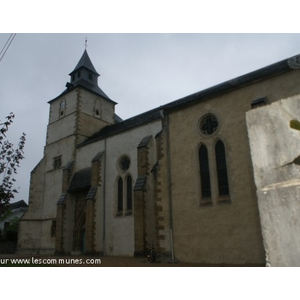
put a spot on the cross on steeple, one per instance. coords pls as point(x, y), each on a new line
point(85, 43)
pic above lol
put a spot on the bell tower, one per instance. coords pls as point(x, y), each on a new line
point(80, 111)
point(83, 108)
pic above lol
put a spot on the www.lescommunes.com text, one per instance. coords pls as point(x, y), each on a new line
point(50, 261)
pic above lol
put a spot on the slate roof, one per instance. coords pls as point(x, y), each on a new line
point(85, 62)
point(233, 84)
point(124, 125)
point(140, 183)
point(81, 180)
point(62, 199)
point(144, 141)
point(219, 89)
point(18, 204)
point(92, 193)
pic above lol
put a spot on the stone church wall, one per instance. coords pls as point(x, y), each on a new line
point(219, 233)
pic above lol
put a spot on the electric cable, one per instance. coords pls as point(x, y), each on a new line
point(7, 44)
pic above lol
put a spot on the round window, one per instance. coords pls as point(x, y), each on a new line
point(209, 124)
point(124, 163)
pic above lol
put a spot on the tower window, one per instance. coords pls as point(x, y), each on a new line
point(90, 76)
point(62, 107)
point(78, 74)
point(97, 107)
point(56, 162)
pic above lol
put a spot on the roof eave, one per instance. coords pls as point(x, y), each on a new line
point(230, 85)
point(82, 86)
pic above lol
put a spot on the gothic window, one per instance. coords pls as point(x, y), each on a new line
point(124, 188)
point(129, 193)
point(223, 186)
point(209, 124)
point(204, 173)
point(213, 175)
point(120, 195)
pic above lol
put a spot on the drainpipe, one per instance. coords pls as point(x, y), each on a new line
point(103, 197)
point(169, 188)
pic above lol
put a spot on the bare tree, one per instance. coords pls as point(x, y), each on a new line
point(9, 162)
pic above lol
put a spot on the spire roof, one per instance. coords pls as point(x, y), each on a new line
point(85, 62)
point(85, 75)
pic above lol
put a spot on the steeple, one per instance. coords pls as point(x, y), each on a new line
point(84, 62)
point(86, 76)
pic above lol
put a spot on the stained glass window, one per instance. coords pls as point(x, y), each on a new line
point(120, 195)
point(221, 169)
point(129, 193)
point(209, 124)
point(124, 163)
point(204, 172)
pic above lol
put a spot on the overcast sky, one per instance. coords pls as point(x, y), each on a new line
point(138, 71)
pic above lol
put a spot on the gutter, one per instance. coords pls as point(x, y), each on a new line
point(103, 196)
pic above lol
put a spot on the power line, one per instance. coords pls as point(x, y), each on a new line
point(7, 44)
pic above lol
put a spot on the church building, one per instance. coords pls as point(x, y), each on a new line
point(179, 176)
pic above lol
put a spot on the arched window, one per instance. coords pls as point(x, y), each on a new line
point(204, 172)
point(221, 169)
point(97, 108)
point(129, 193)
point(124, 198)
point(62, 108)
point(120, 195)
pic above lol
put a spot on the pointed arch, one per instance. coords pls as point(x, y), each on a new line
point(221, 165)
point(62, 107)
point(120, 195)
point(97, 108)
point(129, 193)
point(204, 173)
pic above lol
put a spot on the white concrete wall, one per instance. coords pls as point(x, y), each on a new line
point(274, 146)
point(120, 231)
